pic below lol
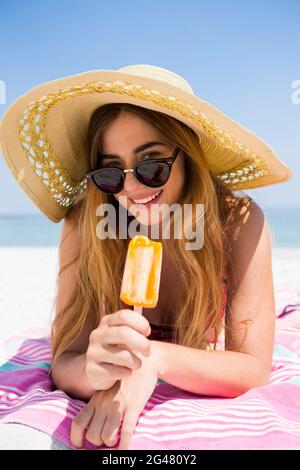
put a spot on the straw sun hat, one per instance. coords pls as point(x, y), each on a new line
point(43, 133)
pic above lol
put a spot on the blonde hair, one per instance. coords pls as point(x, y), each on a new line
point(100, 262)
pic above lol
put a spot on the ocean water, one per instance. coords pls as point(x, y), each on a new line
point(285, 226)
point(37, 230)
point(28, 230)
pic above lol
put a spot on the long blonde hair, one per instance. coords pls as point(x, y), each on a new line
point(101, 261)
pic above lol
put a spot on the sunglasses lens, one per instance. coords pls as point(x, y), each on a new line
point(109, 180)
point(153, 174)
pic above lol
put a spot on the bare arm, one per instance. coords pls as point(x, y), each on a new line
point(69, 375)
point(247, 360)
point(68, 372)
point(217, 373)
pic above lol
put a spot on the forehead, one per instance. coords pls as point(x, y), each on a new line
point(147, 145)
point(129, 129)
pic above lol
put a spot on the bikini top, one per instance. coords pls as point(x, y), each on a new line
point(164, 332)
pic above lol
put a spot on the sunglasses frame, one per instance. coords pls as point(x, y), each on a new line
point(168, 160)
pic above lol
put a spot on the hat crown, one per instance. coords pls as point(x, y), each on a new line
point(158, 73)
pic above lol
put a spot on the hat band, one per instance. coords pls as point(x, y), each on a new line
point(62, 188)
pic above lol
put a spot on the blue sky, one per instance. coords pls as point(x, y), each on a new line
point(240, 56)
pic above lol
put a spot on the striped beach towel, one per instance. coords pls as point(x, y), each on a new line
point(263, 418)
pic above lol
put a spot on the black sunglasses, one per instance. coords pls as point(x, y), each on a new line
point(153, 173)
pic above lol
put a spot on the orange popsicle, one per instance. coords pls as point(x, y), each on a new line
point(141, 278)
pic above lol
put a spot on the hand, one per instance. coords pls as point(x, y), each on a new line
point(119, 407)
point(113, 347)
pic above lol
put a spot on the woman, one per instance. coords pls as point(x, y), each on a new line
point(105, 353)
point(194, 299)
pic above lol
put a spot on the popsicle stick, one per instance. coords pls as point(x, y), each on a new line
point(138, 309)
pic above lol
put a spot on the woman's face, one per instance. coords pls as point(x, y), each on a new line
point(120, 140)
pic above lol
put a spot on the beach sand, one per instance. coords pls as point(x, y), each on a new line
point(28, 279)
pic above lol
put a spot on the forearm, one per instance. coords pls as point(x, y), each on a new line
point(217, 373)
point(68, 374)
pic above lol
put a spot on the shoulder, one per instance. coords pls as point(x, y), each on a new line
point(246, 224)
point(249, 241)
point(248, 221)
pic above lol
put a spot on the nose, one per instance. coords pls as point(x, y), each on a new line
point(131, 184)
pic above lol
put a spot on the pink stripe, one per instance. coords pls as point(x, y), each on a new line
point(28, 401)
point(230, 417)
point(56, 395)
point(35, 347)
point(239, 431)
point(21, 360)
point(207, 426)
point(33, 355)
point(177, 420)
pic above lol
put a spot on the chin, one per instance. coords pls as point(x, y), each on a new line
point(148, 221)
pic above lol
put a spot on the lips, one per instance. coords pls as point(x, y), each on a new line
point(153, 201)
point(142, 198)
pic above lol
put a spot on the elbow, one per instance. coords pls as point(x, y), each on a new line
point(256, 379)
point(260, 375)
point(263, 378)
point(259, 379)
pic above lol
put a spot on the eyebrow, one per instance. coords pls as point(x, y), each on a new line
point(136, 151)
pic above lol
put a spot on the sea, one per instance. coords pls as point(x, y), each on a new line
point(36, 230)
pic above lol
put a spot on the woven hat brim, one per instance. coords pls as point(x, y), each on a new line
point(43, 135)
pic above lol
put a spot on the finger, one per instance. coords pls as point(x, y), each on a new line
point(127, 428)
point(93, 434)
point(112, 425)
point(130, 318)
point(79, 423)
point(119, 335)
